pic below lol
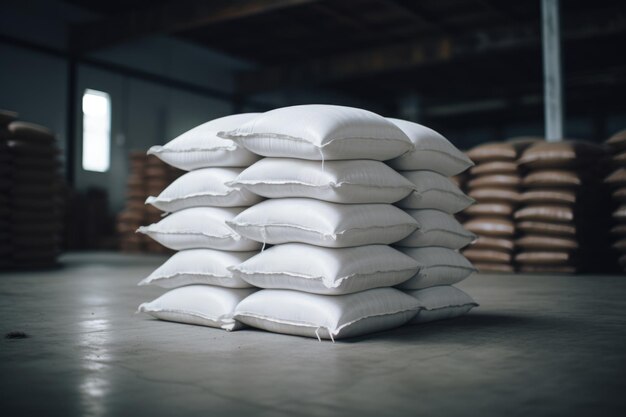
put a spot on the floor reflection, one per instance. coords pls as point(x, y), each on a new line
point(95, 386)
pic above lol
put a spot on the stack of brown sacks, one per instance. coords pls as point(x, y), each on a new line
point(617, 181)
point(31, 200)
point(563, 219)
point(494, 184)
point(6, 162)
point(148, 176)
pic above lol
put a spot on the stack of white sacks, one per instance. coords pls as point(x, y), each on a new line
point(329, 216)
point(200, 202)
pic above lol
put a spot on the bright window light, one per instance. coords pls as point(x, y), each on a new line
point(96, 131)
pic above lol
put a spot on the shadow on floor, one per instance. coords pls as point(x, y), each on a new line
point(470, 324)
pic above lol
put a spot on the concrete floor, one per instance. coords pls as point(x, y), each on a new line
point(538, 345)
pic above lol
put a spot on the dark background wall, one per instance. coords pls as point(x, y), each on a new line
point(161, 86)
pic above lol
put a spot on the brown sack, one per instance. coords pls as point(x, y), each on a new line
point(619, 230)
point(126, 246)
point(36, 149)
point(30, 132)
point(154, 191)
point(546, 228)
point(131, 216)
point(137, 155)
point(617, 178)
point(136, 192)
point(493, 243)
point(565, 154)
point(152, 218)
point(619, 160)
point(538, 242)
point(496, 151)
point(545, 213)
point(494, 168)
point(135, 204)
point(132, 238)
point(493, 268)
point(160, 183)
point(546, 269)
point(552, 178)
point(620, 245)
point(124, 227)
point(134, 180)
point(137, 168)
point(619, 194)
point(620, 214)
point(497, 181)
point(489, 209)
point(486, 195)
point(618, 140)
point(458, 180)
point(153, 161)
point(543, 257)
point(150, 209)
point(487, 256)
point(157, 172)
point(490, 226)
point(548, 196)
point(520, 143)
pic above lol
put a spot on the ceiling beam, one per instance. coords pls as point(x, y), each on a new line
point(418, 14)
point(373, 61)
point(168, 18)
point(420, 53)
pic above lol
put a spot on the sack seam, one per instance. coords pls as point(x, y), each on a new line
point(333, 283)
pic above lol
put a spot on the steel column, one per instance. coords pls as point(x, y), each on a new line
point(552, 73)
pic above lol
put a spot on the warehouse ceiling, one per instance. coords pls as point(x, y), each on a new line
point(440, 50)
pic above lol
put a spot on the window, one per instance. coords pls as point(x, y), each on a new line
point(96, 131)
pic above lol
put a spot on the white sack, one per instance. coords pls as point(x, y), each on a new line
point(206, 187)
point(330, 271)
point(322, 223)
point(321, 132)
point(438, 266)
point(359, 181)
point(434, 191)
point(438, 303)
point(203, 305)
point(327, 316)
point(436, 228)
point(431, 151)
point(199, 227)
point(199, 266)
point(200, 147)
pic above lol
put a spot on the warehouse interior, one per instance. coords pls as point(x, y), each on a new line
point(532, 92)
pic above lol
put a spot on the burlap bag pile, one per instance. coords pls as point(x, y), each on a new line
point(564, 214)
point(616, 180)
point(494, 182)
point(148, 176)
point(31, 189)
